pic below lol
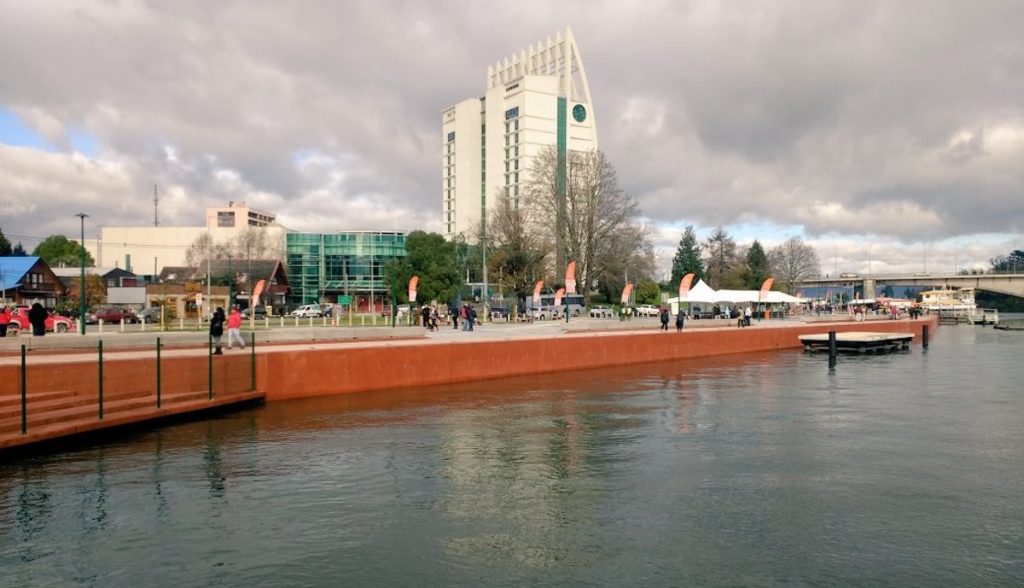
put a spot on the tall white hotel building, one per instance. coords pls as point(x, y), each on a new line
point(537, 97)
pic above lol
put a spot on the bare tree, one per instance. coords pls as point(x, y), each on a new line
point(202, 248)
point(793, 262)
point(516, 255)
point(595, 223)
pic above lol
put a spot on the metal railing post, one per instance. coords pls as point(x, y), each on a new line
point(209, 370)
point(158, 373)
point(24, 394)
point(100, 347)
point(252, 365)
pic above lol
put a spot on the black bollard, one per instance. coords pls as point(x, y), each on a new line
point(924, 336)
point(833, 350)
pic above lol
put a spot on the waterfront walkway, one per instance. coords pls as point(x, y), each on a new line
point(70, 390)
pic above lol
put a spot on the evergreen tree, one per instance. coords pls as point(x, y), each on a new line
point(757, 268)
point(5, 245)
point(687, 259)
point(18, 250)
point(722, 260)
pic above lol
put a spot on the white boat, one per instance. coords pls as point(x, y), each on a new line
point(948, 300)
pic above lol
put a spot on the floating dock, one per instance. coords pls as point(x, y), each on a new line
point(858, 342)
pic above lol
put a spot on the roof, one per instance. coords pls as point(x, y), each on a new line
point(74, 272)
point(176, 273)
point(13, 268)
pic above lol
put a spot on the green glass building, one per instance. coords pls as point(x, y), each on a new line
point(324, 266)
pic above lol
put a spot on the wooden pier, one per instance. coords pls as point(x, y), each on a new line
point(858, 342)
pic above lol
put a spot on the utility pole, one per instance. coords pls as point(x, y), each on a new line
point(156, 206)
point(81, 309)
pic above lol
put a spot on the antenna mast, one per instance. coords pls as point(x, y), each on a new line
point(156, 206)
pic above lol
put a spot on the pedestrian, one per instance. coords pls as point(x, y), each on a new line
point(453, 311)
point(746, 316)
point(217, 329)
point(37, 318)
point(470, 317)
point(464, 314)
point(235, 328)
point(5, 319)
point(664, 318)
point(425, 313)
point(680, 319)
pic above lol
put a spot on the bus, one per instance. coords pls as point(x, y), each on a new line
point(573, 303)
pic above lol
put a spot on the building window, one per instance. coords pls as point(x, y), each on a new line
point(506, 166)
point(517, 177)
point(507, 127)
point(517, 163)
point(225, 218)
point(517, 137)
point(512, 87)
point(512, 113)
point(517, 151)
point(517, 122)
point(451, 136)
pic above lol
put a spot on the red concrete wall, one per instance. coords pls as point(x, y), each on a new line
point(311, 372)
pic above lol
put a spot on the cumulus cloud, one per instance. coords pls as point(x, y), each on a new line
point(894, 122)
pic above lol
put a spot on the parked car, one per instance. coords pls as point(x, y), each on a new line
point(260, 314)
point(601, 311)
point(308, 310)
point(546, 313)
point(148, 315)
point(499, 313)
point(112, 314)
point(54, 322)
point(647, 310)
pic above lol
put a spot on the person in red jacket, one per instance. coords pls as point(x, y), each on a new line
point(235, 328)
point(5, 319)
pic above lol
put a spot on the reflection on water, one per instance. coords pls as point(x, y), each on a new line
point(764, 469)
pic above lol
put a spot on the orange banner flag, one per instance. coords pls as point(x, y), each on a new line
point(412, 288)
point(765, 287)
point(570, 278)
point(684, 285)
point(626, 292)
point(257, 290)
point(536, 292)
point(558, 296)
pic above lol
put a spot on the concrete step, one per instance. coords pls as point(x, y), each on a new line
point(15, 399)
point(89, 411)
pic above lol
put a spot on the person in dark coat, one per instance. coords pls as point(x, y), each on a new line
point(680, 319)
point(37, 317)
point(664, 318)
point(217, 329)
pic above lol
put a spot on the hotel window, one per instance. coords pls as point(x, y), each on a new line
point(512, 113)
point(517, 137)
point(517, 151)
point(451, 136)
point(517, 163)
point(507, 139)
point(506, 166)
point(517, 177)
point(517, 121)
point(507, 127)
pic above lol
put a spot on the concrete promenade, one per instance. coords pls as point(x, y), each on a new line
point(294, 363)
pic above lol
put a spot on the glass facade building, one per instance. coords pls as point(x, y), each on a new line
point(324, 266)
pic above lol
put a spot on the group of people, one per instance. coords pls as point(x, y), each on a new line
point(467, 314)
point(431, 319)
point(234, 325)
point(680, 319)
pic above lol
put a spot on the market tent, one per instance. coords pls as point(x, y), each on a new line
point(737, 296)
point(781, 297)
point(700, 292)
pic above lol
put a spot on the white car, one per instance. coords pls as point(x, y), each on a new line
point(545, 313)
point(601, 312)
point(647, 310)
point(307, 310)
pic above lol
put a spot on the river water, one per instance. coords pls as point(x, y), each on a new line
point(898, 470)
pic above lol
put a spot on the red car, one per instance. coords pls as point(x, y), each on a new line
point(111, 315)
point(54, 322)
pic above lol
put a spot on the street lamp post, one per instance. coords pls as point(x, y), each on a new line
point(81, 309)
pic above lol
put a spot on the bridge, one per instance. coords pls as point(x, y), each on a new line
point(1003, 283)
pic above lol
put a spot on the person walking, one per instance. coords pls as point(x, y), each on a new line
point(470, 317)
point(5, 319)
point(235, 328)
point(37, 318)
point(680, 319)
point(746, 316)
point(425, 317)
point(664, 318)
point(453, 311)
point(217, 329)
point(464, 313)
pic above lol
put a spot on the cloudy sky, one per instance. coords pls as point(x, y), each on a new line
point(884, 133)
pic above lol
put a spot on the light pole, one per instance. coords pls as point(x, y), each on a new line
point(81, 308)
